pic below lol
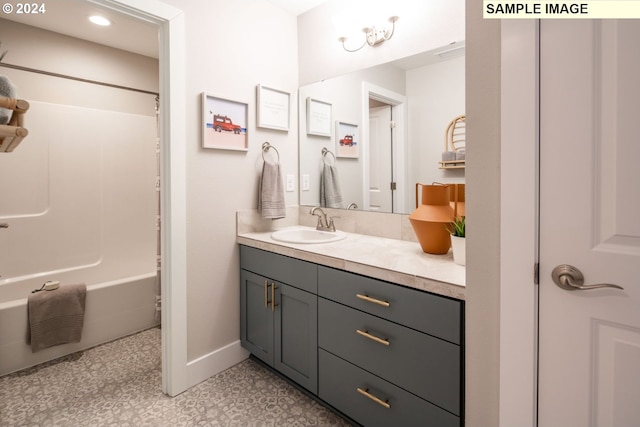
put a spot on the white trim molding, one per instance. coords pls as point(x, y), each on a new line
point(172, 62)
point(518, 211)
point(206, 366)
point(400, 164)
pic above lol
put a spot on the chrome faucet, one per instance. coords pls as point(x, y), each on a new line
point(325, 222)
point(352, 206)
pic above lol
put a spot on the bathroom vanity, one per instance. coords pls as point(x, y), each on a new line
point(279, 313)
point(381, 352)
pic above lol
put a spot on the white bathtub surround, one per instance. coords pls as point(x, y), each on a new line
point(374, 247)
point(66, 214)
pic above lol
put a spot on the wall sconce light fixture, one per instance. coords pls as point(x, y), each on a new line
point(373, 36)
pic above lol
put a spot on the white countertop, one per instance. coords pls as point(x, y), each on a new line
point(396, 261)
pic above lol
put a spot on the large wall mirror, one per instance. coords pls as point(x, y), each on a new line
point(383, 131)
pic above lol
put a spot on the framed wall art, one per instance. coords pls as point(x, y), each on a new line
point(347, 140)
point(318, 117)
point(273, 108)
point(224, 123)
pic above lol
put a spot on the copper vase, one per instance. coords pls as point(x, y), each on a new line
point(431, 218)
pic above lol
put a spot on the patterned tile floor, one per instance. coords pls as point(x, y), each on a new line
point(119, 384)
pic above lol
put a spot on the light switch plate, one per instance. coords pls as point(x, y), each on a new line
point(305, 182)
point(291, 183)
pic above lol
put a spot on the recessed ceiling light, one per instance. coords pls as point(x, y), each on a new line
point(100, 20)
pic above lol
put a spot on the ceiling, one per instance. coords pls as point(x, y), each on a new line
point(69, 17)
point(297, 7)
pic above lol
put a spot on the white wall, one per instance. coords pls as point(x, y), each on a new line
point(423, 25)
point(231, 46)
point(219, 183)
point(483, 108)
point(43, 50)
point(436, 95)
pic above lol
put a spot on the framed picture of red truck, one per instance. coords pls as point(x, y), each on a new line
point(347, 140)
point(224, 123)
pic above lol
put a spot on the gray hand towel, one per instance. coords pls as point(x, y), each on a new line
point(271, 192)
point(330, 195)
point(56, 317)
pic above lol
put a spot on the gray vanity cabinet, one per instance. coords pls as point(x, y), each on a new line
point(279, 317)
point(381, 353)
point(389, 355)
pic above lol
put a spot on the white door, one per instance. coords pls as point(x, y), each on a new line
point(589, 349)
point(380, 162)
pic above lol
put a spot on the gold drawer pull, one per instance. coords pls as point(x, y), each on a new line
point(373, 337)
point(365, 392)
point(266, 294)
point(273, 297)
point(373, 300)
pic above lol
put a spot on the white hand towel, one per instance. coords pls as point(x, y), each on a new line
point(271, 192)
point(330, 195)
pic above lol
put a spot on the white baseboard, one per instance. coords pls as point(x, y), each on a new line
point(210, 364)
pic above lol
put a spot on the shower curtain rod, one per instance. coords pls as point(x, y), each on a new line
point(78, 79)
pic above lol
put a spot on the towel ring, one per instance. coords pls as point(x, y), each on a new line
point(324, 156)
point(265, 147)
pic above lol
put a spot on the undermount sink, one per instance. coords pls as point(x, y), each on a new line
point(307, 235)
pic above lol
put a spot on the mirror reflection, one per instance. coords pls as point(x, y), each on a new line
point(366, 138)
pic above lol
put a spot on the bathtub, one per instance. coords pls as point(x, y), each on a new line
point(113, 309)
point(79, 212)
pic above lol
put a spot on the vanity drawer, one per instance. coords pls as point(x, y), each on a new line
point(422, 364)
point(339, 382)
point(294, 272)
point(426, 312)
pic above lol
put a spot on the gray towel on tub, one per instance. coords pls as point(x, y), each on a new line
point(271, 192)
point(56, 317)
